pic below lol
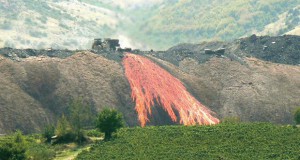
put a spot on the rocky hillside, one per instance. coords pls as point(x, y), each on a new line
point(252, 82)
point(155, 24)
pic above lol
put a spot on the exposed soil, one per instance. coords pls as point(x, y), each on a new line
point(244, 81)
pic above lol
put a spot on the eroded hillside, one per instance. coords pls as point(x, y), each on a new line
point(35, 90)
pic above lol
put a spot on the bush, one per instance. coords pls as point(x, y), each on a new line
point(13, 148)
point(109, 121)
point(66, 138)
point(63, 131)
point(40, 151)
point(49, 131)
point(94, 133)
point(297, 116)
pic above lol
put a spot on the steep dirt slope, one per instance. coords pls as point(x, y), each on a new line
point(259, 91)
point(18, 109)
point(37, 89)
point(255, 78)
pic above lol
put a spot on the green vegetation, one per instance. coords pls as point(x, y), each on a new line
point(109, 121)
point(38, 151)
point(231, 120)
point(223, 141)
point(13, 148)
point(64, 131)
point(69, 151)
point(48, 132)
point(195, 21)
point(70, 128)
point(20, 147)
point(158, 26)
point(231, 140)
point(297, 116)
point(80, 116)
point(94, 133)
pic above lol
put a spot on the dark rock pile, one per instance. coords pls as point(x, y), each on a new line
point(16, 54)
point(283, 49)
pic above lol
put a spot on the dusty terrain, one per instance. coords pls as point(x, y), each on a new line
point(35, 89)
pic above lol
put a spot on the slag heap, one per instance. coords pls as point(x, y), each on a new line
point(150, 83)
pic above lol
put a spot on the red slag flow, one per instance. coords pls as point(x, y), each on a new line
point(150, 83)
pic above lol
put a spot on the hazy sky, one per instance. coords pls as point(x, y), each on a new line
point(136, 3)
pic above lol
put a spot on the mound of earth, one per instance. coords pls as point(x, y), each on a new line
point(257, 91)
point(234, 79)
point(283, 49)
point(254, 78)
point(36, 90)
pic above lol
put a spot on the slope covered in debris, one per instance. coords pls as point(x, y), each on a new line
point(233, 79)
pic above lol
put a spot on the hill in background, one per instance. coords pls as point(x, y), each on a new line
point(153, 24)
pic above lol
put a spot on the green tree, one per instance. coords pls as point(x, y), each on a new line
point(80, 116)
point(63, 130)
point(63, 126)
point(297, 116)
point(48, 132)
point(109, 121)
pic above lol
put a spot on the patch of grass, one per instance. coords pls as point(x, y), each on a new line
point(223, 141)
point(70, 151)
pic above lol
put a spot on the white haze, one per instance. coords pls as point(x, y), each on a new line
point(131, 4)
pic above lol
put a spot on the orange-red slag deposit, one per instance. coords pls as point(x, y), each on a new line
point(150, 83)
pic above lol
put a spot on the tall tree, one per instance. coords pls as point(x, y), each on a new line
point(109, 121)
point(63, 127)
point(80, 115)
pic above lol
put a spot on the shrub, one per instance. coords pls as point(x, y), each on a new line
point(13, 148)
point(297, 116)
point(49, 131)
point(109, 121)
point(94, 133)
point(63, 131)
point(40, 151)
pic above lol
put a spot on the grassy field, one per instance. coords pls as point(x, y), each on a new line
point(224, 141)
